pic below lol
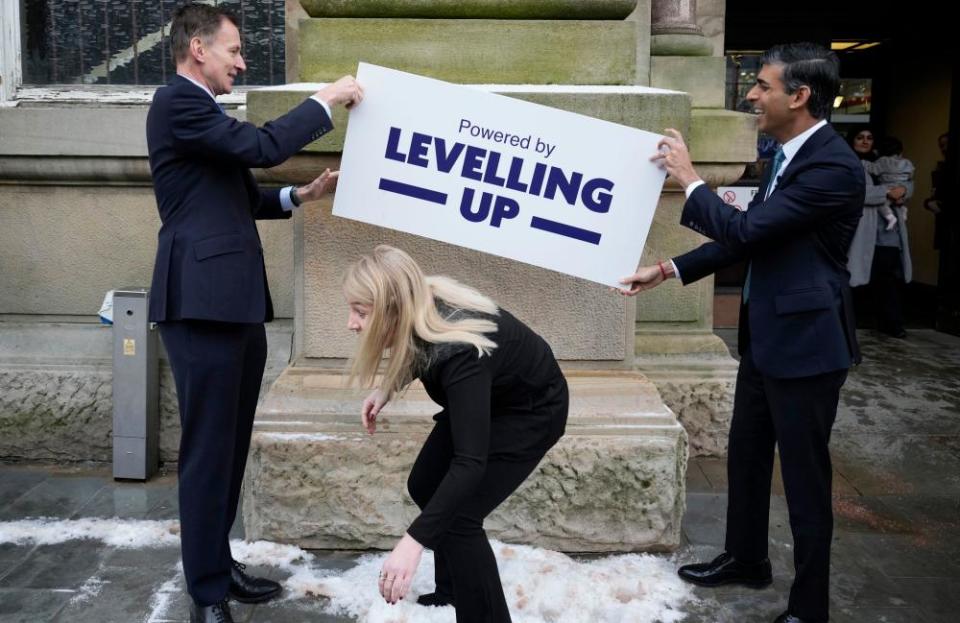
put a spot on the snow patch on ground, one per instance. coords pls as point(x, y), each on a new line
point(540, 585)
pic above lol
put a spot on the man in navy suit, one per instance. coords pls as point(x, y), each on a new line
point(797, 337)
point(209, 292)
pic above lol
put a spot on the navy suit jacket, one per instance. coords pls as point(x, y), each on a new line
point(209, 263)
point(800, 311)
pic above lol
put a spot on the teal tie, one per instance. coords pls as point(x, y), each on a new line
point(778, 158)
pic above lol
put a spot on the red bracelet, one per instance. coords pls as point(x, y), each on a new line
point(663, 273)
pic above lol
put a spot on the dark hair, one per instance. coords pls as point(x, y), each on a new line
point(195, 20)
point(852, 136)
point(809, 65)
point(890, 146)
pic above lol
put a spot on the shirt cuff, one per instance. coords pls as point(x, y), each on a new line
point(285, 201)
point(324, 104)
point(676, 273)
point(693, 186)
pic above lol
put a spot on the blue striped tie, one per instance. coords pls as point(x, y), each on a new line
point(778, 158)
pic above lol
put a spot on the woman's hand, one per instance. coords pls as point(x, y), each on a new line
point(371, 408)
point(399, 569)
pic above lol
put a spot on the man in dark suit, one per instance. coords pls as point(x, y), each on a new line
point(209, 292)
point(797, 337)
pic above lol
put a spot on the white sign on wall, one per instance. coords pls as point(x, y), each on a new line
point(737, 196)
point(536, 184)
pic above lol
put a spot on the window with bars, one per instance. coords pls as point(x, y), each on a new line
point(126, 42)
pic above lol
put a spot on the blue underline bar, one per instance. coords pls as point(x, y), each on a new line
point(413, 191)
point(565, 230)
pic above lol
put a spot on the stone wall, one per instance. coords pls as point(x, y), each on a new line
point(56, 389)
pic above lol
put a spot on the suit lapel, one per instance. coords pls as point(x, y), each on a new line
point(808, 149)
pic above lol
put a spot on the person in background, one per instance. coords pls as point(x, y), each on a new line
point(891, 169)
point(880, 257)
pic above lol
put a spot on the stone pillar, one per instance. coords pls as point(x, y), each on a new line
point(676, 347)
point(674, 16)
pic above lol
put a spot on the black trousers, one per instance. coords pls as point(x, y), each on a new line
point(218, 368)
point(886, 283)
point(465, 567)
point(797, 416)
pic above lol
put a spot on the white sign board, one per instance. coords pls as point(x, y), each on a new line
point(484, 171)
point(737, 196)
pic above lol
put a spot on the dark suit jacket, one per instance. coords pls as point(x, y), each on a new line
point(209, 263)
point(799, 311)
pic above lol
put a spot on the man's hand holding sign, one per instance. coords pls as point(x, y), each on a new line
point(673, 156)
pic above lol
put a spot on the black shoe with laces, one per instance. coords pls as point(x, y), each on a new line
point(250, 590)
point(725, 569)
point(217, 613)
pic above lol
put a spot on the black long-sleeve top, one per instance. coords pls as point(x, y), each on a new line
point(510, 404)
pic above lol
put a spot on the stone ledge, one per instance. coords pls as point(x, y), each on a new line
point(680, 44)
point(478, 50)
point(615, 481)
point(56, 390)
point(635, 106)
point(473, 9)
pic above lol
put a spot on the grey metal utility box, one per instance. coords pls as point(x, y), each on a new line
point(135, 386)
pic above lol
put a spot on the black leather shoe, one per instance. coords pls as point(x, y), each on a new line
point(217, 613)
point(786, 617)
point(725, 569)
point(435, 599)
point(250, 590)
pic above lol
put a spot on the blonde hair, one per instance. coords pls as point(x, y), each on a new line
point(403, 307)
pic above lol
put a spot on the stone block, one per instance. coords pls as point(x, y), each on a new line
point(63, 247)
point(581, 320)
point(472, 9)
point(473, 51)
point(703, 77)
point(698, 386)
point(720, 136)
point(615, 482)
point(673, 302)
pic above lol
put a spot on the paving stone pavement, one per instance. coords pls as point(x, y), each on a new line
point(896, 554)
